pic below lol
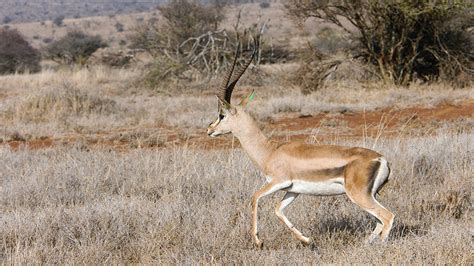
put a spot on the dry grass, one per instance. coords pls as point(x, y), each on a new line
point(52, 104)
point(69, 206)
point(100, 99)
point(77, 204)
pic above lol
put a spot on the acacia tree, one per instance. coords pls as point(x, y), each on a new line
point(403, 38)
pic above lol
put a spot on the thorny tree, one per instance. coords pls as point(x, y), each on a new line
point(427, 39)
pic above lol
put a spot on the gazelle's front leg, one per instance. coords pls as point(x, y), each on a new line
point(264, 191)
point(287, 200)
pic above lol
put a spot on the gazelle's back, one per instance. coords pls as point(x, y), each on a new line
point(315, 162)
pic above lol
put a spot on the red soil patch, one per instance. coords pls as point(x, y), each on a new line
point(388, 121)
point(31, 144)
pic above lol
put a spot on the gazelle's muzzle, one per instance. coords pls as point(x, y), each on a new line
point(211, 129)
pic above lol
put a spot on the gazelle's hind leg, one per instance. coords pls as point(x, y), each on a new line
point(375, 233)
point(385, 217)
point(363, 180)
point(287, 200)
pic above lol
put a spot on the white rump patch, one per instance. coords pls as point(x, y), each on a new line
point(382, 174)
point(330, 187)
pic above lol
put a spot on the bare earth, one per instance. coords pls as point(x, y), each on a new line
point(390, 122)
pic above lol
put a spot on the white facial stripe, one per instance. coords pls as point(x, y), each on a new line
point(215, 122)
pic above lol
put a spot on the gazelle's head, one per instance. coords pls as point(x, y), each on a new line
point(228, 119)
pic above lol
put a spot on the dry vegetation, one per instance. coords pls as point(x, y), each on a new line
point(73, 204)
point(100, 100)
point(95, 168)
point(66, 205)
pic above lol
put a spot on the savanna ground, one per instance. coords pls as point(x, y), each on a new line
point(94, 168)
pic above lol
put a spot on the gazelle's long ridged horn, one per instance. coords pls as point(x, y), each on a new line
point(223, 93)
point(244, 67)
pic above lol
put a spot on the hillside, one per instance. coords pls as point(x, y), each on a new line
point(116, 29)
point(15, 11)
point(39, 10)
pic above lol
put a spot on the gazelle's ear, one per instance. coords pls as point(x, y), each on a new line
point(247, 99)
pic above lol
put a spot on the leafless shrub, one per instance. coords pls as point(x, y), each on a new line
point(182, 20)
point(188, 44)
point(16, 54)
point(403, 39)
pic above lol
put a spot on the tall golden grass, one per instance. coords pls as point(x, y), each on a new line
point(185, 206)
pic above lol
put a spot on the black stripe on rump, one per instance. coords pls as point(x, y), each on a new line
point(373, 174)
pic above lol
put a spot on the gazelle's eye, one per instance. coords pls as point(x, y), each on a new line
point(221, 116)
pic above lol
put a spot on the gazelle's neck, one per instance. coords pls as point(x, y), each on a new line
point(252, 139)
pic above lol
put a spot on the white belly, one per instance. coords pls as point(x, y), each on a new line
point(324, 188)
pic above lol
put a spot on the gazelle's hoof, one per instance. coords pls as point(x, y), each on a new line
point(372, 239)
point(305, 240)
point(259, 243)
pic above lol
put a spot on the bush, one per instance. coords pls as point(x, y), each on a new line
point(402, 38)
point(119, 27)
point(182, 20)
point(58, 21)
point(185, 19)
point(6, 20)
point(16, 54)
point(264, 5)
point(74, 48)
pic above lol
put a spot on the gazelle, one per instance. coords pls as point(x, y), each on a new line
point(300, 168)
